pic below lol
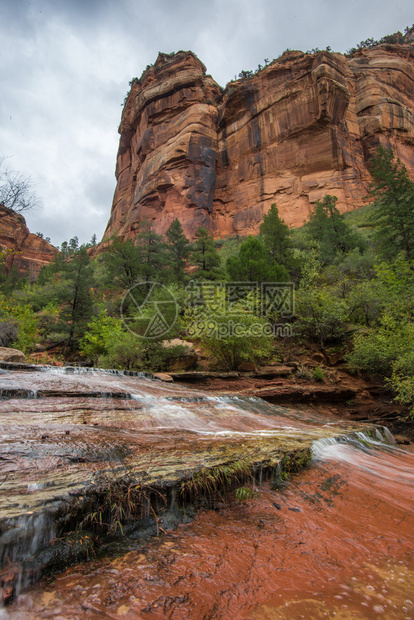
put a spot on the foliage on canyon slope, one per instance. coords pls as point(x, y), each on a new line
point(354, 283)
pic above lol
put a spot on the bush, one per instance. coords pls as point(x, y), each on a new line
point(366, 302)
point(377, 350)
point(26, 323)
point(402, 380)
point(102, 333)
point(123, 351)
point(229, 349)
point(8, 333)
point(318, 374)
point(230, 331)
point(322, 317)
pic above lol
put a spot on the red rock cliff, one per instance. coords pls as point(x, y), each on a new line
point(24, 250)
point(304, 126)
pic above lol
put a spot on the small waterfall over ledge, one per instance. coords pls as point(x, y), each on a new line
point(70, 436)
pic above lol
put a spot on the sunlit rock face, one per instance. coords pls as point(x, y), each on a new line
point(304, 126)
point(22, 249)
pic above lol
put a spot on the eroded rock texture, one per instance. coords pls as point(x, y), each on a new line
point(23, 250)
point(304, 126)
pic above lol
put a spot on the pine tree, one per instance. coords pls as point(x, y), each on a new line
point(253, 264)
point(276, 236)
point(329, 230)
point(205, 256)
point(152, 254)
point(394, 205)
point(123, 263)
point(75, 295)
point(178, 250)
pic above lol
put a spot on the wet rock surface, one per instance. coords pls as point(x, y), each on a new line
point(336, 542)
point(71, 437)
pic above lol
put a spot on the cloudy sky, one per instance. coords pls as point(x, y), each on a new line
point(65, 67)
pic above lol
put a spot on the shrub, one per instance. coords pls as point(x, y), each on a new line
point(8, 333)
point(322, 317)
point(123, 351)
point(402, 380)
point(318, 374)
point(377, 350)
point(25, 320)
point(102, 333)
point(242, 494)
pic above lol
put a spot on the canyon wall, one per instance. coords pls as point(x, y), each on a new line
point(304, 126)
point(23, 250)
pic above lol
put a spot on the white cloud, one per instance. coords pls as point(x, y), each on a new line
point(65, 68)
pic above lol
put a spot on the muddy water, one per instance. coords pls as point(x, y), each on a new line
point(338, 542)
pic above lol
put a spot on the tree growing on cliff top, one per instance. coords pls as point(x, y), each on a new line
point(16, 191)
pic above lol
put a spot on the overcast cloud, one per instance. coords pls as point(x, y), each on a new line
point(65, 67)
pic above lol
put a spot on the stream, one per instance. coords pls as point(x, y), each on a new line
point(333, 541)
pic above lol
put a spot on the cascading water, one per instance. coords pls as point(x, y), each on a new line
point(55, 449)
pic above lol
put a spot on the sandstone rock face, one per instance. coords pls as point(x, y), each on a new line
point(304, 126)
point(23, 250)
point(11, 355)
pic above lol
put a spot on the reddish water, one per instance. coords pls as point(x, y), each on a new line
point(338, 544)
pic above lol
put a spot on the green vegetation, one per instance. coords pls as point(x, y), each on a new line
point(353, 274)
point(370, 42)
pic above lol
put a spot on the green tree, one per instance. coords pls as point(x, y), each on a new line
point(394, 205)
point(378, 349)
point(322, 317)
point(329, 232)
point(178, 250)
point(122, 260)
point(205, 256)
point(253, 264)
point(101, 332)
point(153, 256)
point(276, 236)
point(75, 296)
point(230, 336)
point(22, 316)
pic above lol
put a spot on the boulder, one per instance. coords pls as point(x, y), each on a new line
point(163, 376)
point(268, 372)
point(247, 367)
point(186, 360)
point(11, 355)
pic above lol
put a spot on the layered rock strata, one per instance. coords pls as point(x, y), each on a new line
point(304, 126)
point(25, 251)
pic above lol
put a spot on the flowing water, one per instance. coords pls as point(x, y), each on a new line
point(338, 541)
